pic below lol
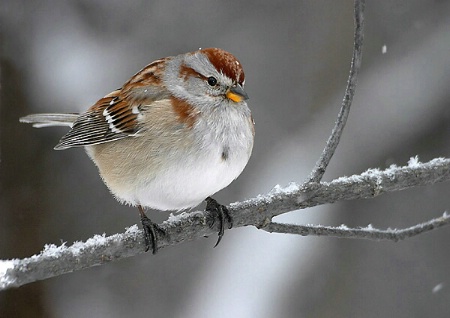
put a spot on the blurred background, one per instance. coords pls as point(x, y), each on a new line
point(62, 56)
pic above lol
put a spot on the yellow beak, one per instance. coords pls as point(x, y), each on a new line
point(237, 94)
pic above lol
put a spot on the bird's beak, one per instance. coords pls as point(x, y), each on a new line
point(237, 94)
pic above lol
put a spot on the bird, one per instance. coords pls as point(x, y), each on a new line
point(174, 134)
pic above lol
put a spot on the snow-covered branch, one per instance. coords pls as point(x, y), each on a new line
point(259, 211)
point(368, 232)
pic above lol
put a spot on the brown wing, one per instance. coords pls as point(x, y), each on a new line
point(92, 127)
point(117, 115)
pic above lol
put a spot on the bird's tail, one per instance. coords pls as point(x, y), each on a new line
point(48, 120)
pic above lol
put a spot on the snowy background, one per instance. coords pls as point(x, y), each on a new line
point(63, 56)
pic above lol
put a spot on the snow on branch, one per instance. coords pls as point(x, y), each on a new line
point(259, 211)
point(368, 232)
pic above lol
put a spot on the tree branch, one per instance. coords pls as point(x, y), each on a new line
point(333, 141)
point(368, 232)
point(259, 211)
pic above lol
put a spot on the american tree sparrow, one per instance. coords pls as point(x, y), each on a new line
point(176, 133)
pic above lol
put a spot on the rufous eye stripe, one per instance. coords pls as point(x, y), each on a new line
point(186, 71)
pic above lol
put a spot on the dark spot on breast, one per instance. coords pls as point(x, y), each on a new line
point(225, 153)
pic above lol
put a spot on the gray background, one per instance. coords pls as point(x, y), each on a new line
point(63, 56)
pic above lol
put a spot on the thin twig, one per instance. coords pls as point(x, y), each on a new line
point(359, 233)
point(54, 261)
point(333, 141)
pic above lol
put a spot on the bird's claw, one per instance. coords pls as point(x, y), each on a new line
point(221, 213)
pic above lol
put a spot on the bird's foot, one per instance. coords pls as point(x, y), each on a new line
point(150, 229)
point(219, 212)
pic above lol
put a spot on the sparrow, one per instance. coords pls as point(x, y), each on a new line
point(175, 133)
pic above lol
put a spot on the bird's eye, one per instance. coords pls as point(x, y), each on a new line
point(212, 81)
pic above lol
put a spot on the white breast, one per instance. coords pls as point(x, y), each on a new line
point(189, 182)
point(187, 178)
